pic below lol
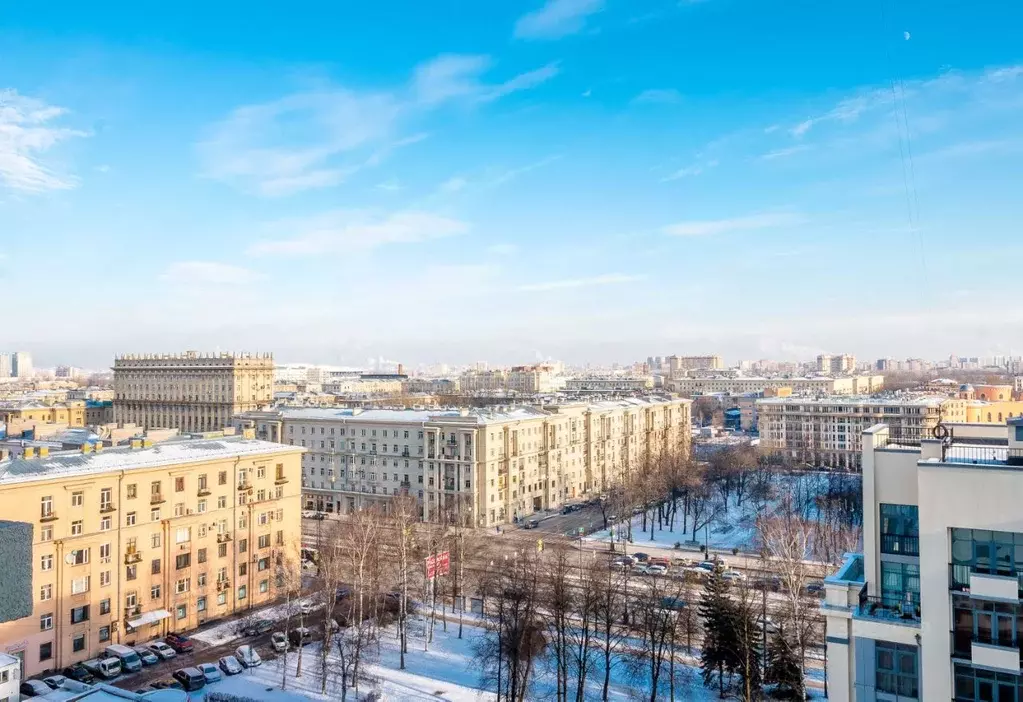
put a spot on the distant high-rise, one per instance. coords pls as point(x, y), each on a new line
point(21, 364)
point(836, 365)
point(193, 392)
point(5, 365)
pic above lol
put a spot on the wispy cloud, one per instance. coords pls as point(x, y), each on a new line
point(26, 133)
point(390, 186)
point(346, 231)
point(848, 110)
point(459, 76)
point(453, 184)
point(608, 279)
point(556, 19)
point(667, 96)
point(512, 173)
point(208, 273)
point(764, 220)
point(783, 153)
point(503, 249)
point(690, 171)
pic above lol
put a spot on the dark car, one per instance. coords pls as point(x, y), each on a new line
point(79, 673)
point(815, 589)
point(342, 592)
point(167, 684)
point(531, 524)
point(255, 628)
point(190, 678)
point(54, 681)
point(33, 688)
point(181, 644)
point(300, 636)
point(641, 557)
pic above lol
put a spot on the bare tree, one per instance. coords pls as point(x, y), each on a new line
point(581, 635)
point(333, 567)
point(558, 606)
point(288, 579)
point(610, 610)
point(359, 540)
point(656, 619)
point(405, 515)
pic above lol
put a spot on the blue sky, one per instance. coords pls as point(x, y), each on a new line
point(592, 180)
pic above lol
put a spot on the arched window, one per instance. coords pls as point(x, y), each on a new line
point(989, 416)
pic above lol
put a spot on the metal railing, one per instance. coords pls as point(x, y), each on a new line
point(959, 576)
point(889, 608)
point(900, 545)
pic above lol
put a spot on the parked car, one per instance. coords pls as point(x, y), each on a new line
point(230, 665)
point(815, 589)
point(210, 671)
point(180, 643)
point(106, 668)
point(658, 561)
point(681, 561)
point(733, 576)
point(257, 627)
point(767, 582)
point(638, 569)
point(624, 562)
point(161, 649)
point(34, 688)
point(279, 642)
point(54, 681)
point(80, 673)
point(130, 661)
point(300, 636)
point(641, 557)
point(656, 570)
point(694, 572)
point(167, 684)
point(531, 524)
point(247, 656)
point(711, 566)
point(147, 656)
point(342, 592)
point(190, 678)
point(305, 608)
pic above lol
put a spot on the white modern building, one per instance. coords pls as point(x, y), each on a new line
point(931, 609)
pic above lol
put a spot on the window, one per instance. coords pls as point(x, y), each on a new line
point(155, 489)
point(263, 564)
point(80, 585)
point(104, 498)
point(45, 592)
point(222, 550)
point(181, 611)
point(179, 484)
point(131, 572)
point(104, 579)
point(279, 474)
point(46, 622)
point(222, 502)
point(179, 509)
point(76, 527)
point(201, 556)
point(264, 541)
point(222, 477)
point(900, 583)
point(154, 540)
point(131, 599)
point(200, 604)
point(104, 524)
point(182, 535)
point(202, 482)
point(132, 491)
point(182, 585)
point(264, 586)
point(896, 669)
point(104, 633)
point(243, 545)
point(156, 566)
point(183, 560)
point(242, 592)
point(45, 651)
point(129, 519)
point(78, 643)
point(200, 580)
point(80, 614)
point(46, 562)
point(77, 498)
point(900, 529)
point(202, 506)
point(80, 556)
point(221, 598)
point(261, 472)
point(243, 570)
point(46, 533)
point(154, 592)
point(154, 514)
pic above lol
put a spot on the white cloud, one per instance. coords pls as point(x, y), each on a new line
point(458, 76)
point(765, 220)
point(300, 142)
point(785, 152)
point(453, 184)
point(512, 173)
point(347, 231)
point(391, 186)
point(690, 171)
point(503, 249)
point(556, 19)
point(668, 96)
point(588, 92)
point(608, 279)
point(208, 273)
point(26, 133)
point(848, 110)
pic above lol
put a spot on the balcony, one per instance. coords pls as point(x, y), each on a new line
point(900, 545)
point(223, 585)
point(132, 611)
point(245, 485)
point(204, 492)
point(107, 508)
point(48, 516)
point(224, 537)
point(132, 557)
point(280, 480)
point(156, 498)
point(889, 609)
point(974, 581)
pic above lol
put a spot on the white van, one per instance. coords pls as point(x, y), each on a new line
point(105, 668)
point(130, 661)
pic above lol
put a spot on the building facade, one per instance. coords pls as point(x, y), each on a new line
point(849, 385)
point(679, 365)
point(132, 543)
point(826, 431)
point(503, 462)
point(21, 365)
point(610, 384)
point(72, 413)
point(530, 380)
point(931, 610)
point(842, 364)
point(191, 391)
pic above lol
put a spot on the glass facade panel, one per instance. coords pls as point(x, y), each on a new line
point(897, 667)
point(900, 529)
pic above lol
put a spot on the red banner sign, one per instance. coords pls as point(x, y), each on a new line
point(438, 565)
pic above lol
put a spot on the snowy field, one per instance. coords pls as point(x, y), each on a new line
point(231, 629)
point(732, 525)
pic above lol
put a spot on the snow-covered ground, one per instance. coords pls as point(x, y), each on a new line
point(230, 630)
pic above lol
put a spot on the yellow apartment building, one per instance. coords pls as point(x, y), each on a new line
point(132, 543)
point(71, 413)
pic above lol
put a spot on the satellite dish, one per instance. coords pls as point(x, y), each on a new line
point(70, 557)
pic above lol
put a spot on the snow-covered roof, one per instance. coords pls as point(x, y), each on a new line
point(173, 452)
point(858, 400)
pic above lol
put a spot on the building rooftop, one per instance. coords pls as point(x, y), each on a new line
point(891, 400)
point(173, 452)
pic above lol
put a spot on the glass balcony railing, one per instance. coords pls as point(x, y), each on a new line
point(886, 607)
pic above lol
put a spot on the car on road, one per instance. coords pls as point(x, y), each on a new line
point(230, 665)
point(304, 608)
point(658, 561)
point(179, 642)
point(300, 636)
point(815, 589)
point(624, 561)
point(733, 576)
point(161, 649)
point(247, 656)
point(694, 572)
point(656, 569)
point(80, 673)
point(681, 561)
point(279, 642)
point(711, 566)
point(638, 569)
point(210, 671)
point(55, 681)
point(767, 582)
point(146, 655)
point(641, 557)
point(167, 684)
point(34, 688)
point(531, 524)
point(257, 627)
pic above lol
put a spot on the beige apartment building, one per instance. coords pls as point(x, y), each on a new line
point(505, 462)
point(530, 380)
point(132, 543)
point(71, 413)
point(610, 384)
point(678, 365)
point(193, 392)
point(483, 381)
point(826, 431)
point(849, 385)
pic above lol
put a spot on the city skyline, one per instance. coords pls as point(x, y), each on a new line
point(512, 182)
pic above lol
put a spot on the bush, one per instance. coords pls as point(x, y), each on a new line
point(678, 545)
point(703, 548)
point(735, 551)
